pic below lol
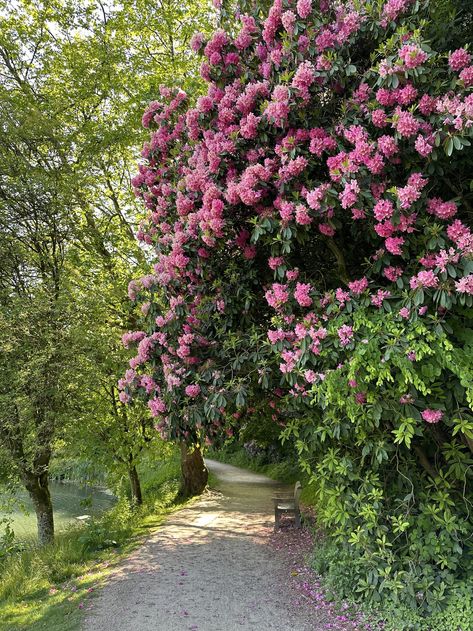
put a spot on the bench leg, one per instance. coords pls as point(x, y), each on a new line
point(276, 520)
point(297, 519)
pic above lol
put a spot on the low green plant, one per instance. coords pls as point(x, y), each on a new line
point(340, 567)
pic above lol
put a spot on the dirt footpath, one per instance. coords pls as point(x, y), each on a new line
point(208, 568)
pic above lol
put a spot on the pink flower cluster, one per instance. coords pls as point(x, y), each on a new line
point(465, 285)
point(301, 294)
point(193, 390)
point(277, 296)
point(425, 278)
point(412, 56)
point(345, 334)
point(432, 416)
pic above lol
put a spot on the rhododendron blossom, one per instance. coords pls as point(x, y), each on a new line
point(432, 416)
point(345, 334)
point(465, 285)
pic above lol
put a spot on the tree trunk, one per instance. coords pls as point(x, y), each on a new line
point(194, 475)
point(38, 489)
point(135, 485)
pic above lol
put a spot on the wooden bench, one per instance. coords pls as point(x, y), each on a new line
point(288, 504)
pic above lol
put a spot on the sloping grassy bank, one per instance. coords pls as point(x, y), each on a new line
point(50, 588)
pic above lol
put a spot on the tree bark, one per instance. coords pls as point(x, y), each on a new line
point(135, 485)
point(38, 489)
point(194, 474)
point(425, 462)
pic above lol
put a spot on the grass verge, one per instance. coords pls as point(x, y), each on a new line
point(51, 588)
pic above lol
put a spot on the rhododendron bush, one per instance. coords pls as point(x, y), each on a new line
point(311, 220)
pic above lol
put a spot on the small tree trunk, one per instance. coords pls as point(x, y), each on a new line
point(135, 485)
point(38, 489)
point(194, 475)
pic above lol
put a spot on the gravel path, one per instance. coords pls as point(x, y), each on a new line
point(208, 568)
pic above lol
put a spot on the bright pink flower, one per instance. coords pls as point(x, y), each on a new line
point(304, 7)
point(384, 209)
point(466, 75)
point(349, 195)
point(412, 56)
point(392, 273)
point(345, 334)
point(459, 59)
point(197, 42)
point(304, 78)
point(357, 287)
point(423, 147)
point(193, 390)
point(379, 118)
point(393, 245)
point(342, 296)
point(277, 295)
point(288, 20)
point(425, 278)
point(388, 146)
point(292, 274)
point(301, 294)
point(392, 9)
point(156, 406)
point(310, 376)
point(405, 123)
point(427, 104)
point(132, 337)
point(404, 312)
point(377, 299)
point(457, 231)
point(465, 285)
point(275, 261)
point(385, 97)
point(441, 209)
point(124, 397)
point(302, 215)
point(432, 416)
point(406, 95)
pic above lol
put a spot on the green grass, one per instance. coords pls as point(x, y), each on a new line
point(50, 588)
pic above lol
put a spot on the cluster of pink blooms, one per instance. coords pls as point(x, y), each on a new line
point(432, 416)
point(254, 155)
point(277, 295)
point(345, 334)
point(425, 278)
point(412, 56)
point(301, 294)
point(465, 285)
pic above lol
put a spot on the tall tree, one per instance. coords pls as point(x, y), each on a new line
point(74, 79)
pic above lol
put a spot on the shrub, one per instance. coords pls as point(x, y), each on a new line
point(311, 219)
